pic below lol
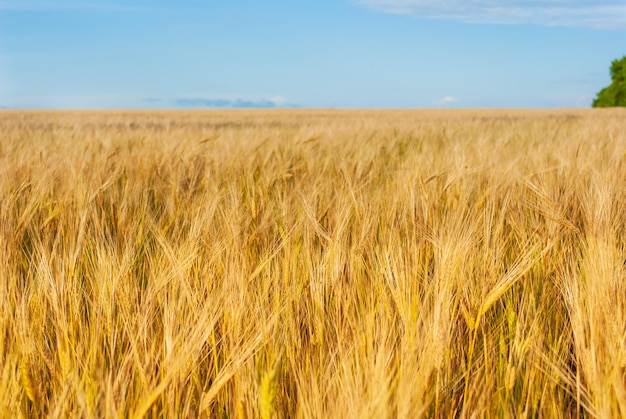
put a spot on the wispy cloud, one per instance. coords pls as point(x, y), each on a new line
point(449, 100)
point(605, 14)
point(274, 102)
point(446, 101)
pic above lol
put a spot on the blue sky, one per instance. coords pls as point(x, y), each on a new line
point(63, 54)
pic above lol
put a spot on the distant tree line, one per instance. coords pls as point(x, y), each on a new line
point(615, 93)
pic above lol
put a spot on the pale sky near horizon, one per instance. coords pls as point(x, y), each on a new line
point(84, 54)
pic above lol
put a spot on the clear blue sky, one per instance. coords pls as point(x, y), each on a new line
point(307, 53)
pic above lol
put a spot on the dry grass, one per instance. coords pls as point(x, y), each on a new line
point(313, 264)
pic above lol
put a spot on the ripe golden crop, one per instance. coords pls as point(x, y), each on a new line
point(313, 263)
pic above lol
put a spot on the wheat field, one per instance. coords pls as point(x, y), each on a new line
point(313, 263)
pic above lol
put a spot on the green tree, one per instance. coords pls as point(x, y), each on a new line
point(615, 93)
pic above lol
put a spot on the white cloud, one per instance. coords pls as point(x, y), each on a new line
point(606, 14)
point(279, 100)
point(446, 101)
point(449, 99)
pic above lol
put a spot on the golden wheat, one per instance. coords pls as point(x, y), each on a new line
point(313, 264)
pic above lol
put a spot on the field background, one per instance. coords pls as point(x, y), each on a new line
point(305, 263)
